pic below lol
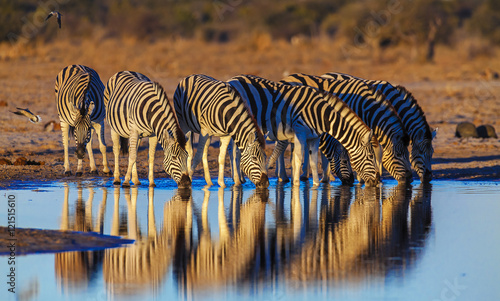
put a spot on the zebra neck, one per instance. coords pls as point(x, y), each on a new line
point(162, 132)
point(241, 138)
point(344, 127)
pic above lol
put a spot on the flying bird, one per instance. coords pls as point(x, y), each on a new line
point(55, 13)
point(25, 112)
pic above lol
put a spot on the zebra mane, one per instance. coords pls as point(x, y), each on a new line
point(87, 77)
point(387, 105)
point(260, 136)
point(409, 97)
point(178, 134)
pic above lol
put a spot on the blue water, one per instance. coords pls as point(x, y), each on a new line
point(422, 242)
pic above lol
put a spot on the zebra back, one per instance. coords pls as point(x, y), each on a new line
point(202, 101)
point(133, 95)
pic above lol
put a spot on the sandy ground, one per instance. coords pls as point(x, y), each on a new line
point(448, 94)
point(35, 240)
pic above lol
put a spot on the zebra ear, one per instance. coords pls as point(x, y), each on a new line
point(188, 135)
point(168, 136)
point(367, 138)
point(434, 133)
point(90, 108)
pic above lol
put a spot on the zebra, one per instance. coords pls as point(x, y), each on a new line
point(376, 111)
point(301, 114)
point(210, 107)
point(137, 107)
point(334, 155)
point(80, 107)
point(414, 121)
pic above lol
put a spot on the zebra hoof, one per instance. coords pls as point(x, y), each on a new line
point(94, 173)
point(284, 180)
point(79, 174)
point(67, 173)
point(116, 183)
point(324, 181)
point(108, 174)
point(304, 179)
point(126, 185)
point(152, 185)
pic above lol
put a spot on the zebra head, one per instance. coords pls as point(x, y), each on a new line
point(341, 165)
point(82, 129)
point(253, 162)
point(421, 154)
point(396, 159)
point(175, 160)
point(363, 160)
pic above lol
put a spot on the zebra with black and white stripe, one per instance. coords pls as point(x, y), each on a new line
point(414, 121)
point(334, 155)
point(137, 107)
point(300, 114)
point(376, 111)
point(79, 98)
point(210, 107)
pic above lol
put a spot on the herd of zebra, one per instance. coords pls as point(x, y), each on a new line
point(358, 124)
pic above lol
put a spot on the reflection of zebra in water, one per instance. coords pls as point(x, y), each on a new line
point(136, 107)
point(413, 118)
point(210, 107)
point(376, 112)
point(301, 114)
point(80, 107)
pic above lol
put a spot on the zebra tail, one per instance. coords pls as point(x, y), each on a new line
point(124, 146)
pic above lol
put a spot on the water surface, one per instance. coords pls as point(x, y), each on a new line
point(422, 242)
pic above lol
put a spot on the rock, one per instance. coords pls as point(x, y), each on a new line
point(486, 131)
point(21, 161)
point(466, 130)
point(4, 161)
point(3, 103)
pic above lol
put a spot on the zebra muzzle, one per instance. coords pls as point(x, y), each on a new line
point(185, 181)
point(80, 152)
point(263, 182)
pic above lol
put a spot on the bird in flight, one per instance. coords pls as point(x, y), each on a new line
point(25, 112)
point(55, 13)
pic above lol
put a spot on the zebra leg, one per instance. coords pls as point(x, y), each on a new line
point(298, 156)
point(99, 128)
point(224, 142)
point(132, 158)
point(93, 168)
point(325, 165)
point(135, 176)
point(116, 151)
point(305, 166)
point(189, 150)
point(199, 150)
point(153, 141)
point(79, 167)
point(206, 170)
point(281, 169)
point(313, 146)
point(234, 159)
point(378, 157)
point(65, 138)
